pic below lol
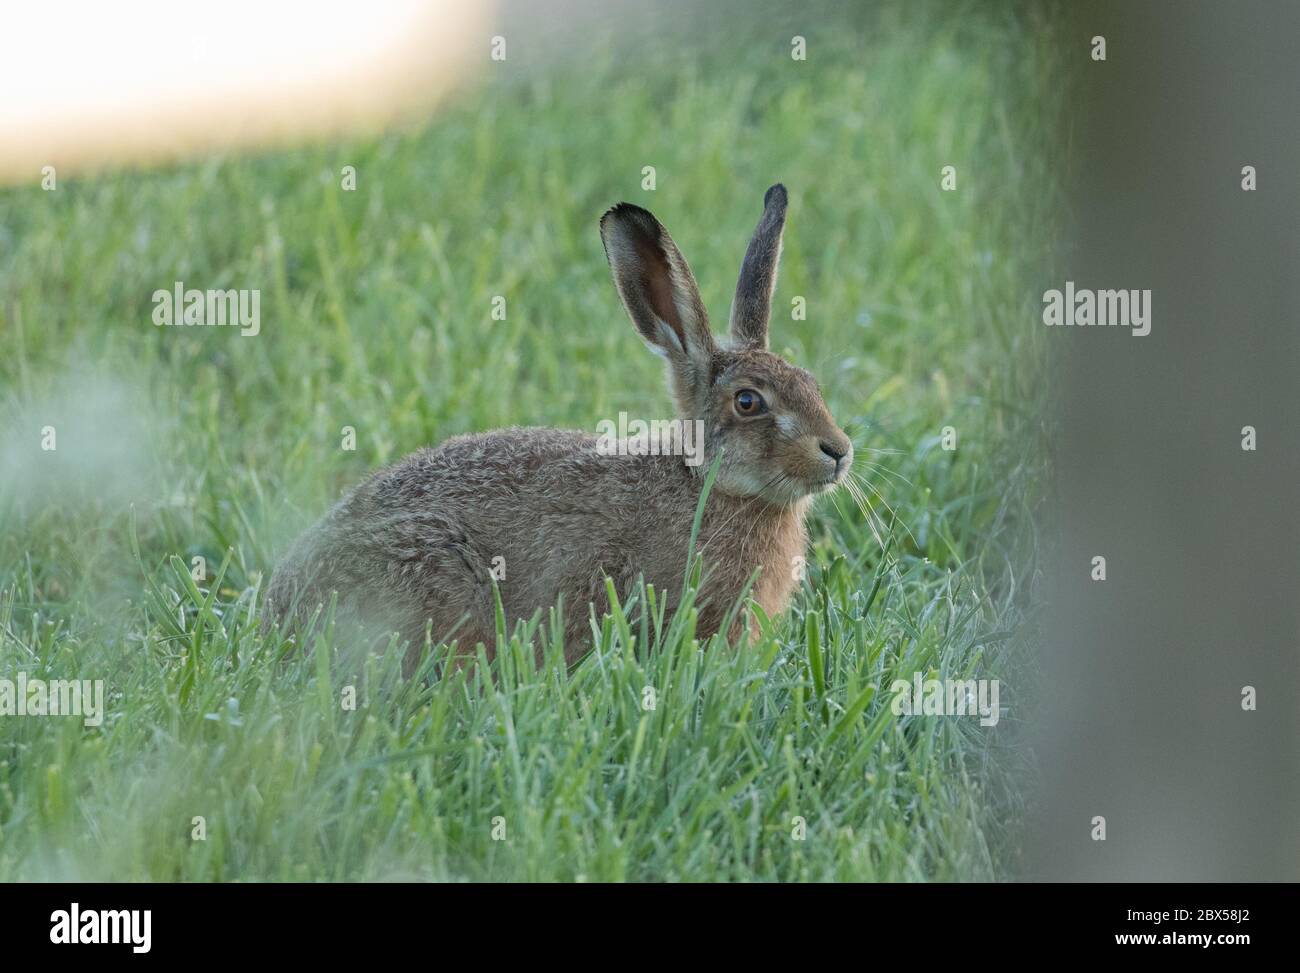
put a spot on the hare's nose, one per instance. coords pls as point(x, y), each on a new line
point(833, 452)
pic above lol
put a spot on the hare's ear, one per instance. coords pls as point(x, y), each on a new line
point(657, 287)
point(753, 303)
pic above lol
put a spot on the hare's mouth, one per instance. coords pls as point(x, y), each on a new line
point(832, 479)
point(809, 486)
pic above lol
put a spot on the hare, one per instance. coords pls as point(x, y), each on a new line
point(414, 549)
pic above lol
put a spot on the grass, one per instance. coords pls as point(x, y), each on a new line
point(376, 315)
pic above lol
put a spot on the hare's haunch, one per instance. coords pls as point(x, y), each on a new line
point(551, 513)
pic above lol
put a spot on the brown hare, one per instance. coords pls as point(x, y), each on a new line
point(414, 549)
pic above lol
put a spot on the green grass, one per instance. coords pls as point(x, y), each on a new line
point(376, 314)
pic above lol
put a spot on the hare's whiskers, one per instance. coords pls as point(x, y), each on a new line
point(865, 508)
point(877, 468)
point(893, 513)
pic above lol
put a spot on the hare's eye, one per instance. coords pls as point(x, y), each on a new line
point(750, 403)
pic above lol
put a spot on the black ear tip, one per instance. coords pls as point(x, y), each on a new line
point(613, 212)
point(775, 197)
point(628, 213)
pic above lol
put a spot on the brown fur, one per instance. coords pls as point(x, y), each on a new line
point(414, 545)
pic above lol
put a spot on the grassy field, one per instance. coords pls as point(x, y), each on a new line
point(376, 309)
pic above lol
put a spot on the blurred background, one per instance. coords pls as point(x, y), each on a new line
point(1144, 673)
